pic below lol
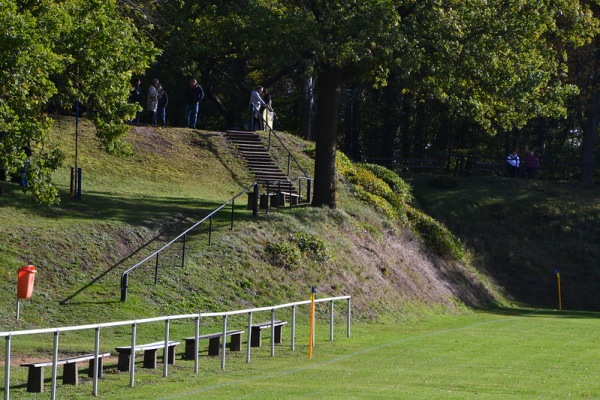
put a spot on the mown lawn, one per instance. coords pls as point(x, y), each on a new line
point(506, 354)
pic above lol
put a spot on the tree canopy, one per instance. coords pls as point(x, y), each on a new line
point(52, 55)
point(394, 79)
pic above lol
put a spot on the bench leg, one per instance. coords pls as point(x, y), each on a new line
point(35, 379)
point(123, 363)
point(236, 342)
point(70, 374)
point(150, 359)
point(190, 348)
point(170, 355)
point(213, 346)
point(91, 368)
point(278, 335)
point(255, 341)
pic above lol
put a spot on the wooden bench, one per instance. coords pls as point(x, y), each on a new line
point(256, 330)
point(35, 375)
point(214, 343)
point(294, 198)
point(149, 350)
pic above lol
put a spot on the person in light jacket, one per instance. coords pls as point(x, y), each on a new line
point(513, 163)
point(152, 102)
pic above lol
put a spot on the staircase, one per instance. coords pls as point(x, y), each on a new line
point(259, 161)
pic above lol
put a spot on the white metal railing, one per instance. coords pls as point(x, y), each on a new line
point(167, 319)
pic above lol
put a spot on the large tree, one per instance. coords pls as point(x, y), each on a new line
point(74, 50)
point(497, 63)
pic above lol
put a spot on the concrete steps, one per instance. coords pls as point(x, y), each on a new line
point(259, 161)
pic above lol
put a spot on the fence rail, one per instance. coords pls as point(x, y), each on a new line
point(167, 320)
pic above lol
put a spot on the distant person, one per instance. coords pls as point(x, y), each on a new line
point(135, 97)
point(163, 101)
point(531, 165)
point(267, 111)
point(152, 103)
point(513, 163)
point(256, 105)
point(193, 94)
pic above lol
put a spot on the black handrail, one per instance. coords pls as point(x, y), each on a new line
point(290, 156)
point(125, 275)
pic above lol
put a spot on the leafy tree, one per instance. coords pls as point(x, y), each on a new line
point(70, 51)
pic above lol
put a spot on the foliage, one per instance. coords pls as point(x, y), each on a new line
point(284, 254)
point(435, 235)
point(313, 246)
point(55, 54)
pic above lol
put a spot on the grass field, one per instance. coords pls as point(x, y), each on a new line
point(507, 354)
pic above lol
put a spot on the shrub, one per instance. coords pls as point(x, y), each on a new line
point(283, 254)
point(312, 245)
point(397, 184)
point(436, 236)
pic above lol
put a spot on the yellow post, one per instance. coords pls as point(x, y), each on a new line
point(559, 294)
point(311, 323)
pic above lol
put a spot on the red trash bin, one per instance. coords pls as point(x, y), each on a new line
point(26, 277)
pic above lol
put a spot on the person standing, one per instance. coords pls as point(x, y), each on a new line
point(513, 163)
point(531, 165)
point(136, 97)
point(163, 101)
point(193, 94)
point(152, 103)
point(256, 105)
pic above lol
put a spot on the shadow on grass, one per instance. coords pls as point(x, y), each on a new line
point(536, 313)
point(223, 220)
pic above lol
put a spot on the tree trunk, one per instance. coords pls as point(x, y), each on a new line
point(590, 130)
point(328, 100)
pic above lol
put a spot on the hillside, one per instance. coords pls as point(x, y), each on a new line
point(522, 232)
point(132, 205)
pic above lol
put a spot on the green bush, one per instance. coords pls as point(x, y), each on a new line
point(313, 246)
point(435, 235)
point(397, 184)
point(284, 254)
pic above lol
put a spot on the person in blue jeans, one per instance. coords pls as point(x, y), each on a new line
point(193, 95)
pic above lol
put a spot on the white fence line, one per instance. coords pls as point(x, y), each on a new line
point(167, 319)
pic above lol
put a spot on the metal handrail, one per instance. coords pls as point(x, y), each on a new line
point(125, 274)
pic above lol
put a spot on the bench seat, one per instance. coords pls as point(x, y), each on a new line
point(35, 375)
point(256, 330)
point(149, 350)
point(214, 343)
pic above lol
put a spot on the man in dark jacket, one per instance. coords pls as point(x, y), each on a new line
point(193, 95)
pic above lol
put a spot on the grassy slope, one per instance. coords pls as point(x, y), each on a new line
point(522, 231)
point(132, 205)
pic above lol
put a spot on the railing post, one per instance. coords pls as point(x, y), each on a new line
point(183, 251)
point(124, 285)
point(166, 354)
point(308, 190)
point(196, 344)
point(210, 230)
point(156, 269)
point(232, 210)
point(273, 332)
point(249, 336)
point(331, 321)
point(224, 342)
point(7, 368)
point(348, 317)
point(293, 340)
point(54, 366)
point(97, 371)
point(256, 200)
point(132, 355)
